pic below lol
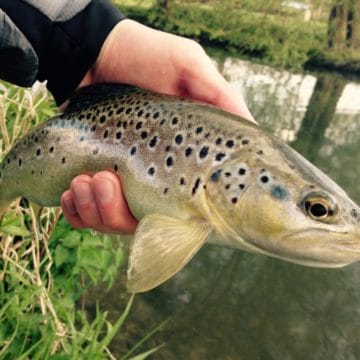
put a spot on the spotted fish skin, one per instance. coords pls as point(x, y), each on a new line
point(190, 173)
point(159, 144)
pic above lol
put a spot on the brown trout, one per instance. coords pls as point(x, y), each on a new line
point(191, 173)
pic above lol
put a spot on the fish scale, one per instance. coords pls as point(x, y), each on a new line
point(191, 173)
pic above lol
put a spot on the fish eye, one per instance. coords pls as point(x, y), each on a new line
point(318, 206)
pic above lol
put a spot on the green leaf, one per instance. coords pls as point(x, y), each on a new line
point(61, 255)
point(72, 239)
point(145, 354)
point(15, 230)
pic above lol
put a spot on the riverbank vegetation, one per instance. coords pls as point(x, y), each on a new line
point(290, 34)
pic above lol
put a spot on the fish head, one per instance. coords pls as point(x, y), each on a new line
point(275, 202)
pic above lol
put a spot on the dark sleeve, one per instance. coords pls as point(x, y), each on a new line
point(57, 41)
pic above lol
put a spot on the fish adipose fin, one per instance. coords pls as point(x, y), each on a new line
point(163, 246)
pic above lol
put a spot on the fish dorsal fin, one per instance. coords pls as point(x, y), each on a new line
point(163, 246)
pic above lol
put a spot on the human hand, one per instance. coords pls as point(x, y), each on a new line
point(154, 60)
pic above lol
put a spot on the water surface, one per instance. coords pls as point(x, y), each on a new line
point(229, 304)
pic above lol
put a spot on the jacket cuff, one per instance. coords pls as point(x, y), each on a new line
point(65, 50)
point(73, 47)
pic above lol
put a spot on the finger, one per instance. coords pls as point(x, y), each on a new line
point(203, 82)
point(84, 201)
point(216, 91)
point(69, 210)
point(112, 206)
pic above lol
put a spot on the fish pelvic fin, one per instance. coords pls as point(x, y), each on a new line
point(162, 246)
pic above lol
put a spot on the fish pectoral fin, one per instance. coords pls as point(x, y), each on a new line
point(163, 246)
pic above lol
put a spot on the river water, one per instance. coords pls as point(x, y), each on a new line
point(229, 304)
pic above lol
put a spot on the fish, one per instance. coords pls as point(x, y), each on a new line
point(191, 174)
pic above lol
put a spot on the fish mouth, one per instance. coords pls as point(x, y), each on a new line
point(323, 247)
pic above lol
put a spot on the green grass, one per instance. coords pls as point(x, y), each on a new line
point(46, 266)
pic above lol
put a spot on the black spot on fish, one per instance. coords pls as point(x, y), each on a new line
point(354, 213)
point(174, 120)
point(36, 139)
point(264, 179)
point(242, 171)
point(144, 134)
point(63, 160)
point(38, 152)
point(118, 135)
point(116, 168)
point(156, 115)
point(32, 172)
point(199, 130)
point(51, 149)
point(260, 152)
point(196, 186)
point(229, 144)
point(110, 113)
point(20, 163)
point(234, 200)
point(82, 138)
point(106, 133)
point(162, 122)
point(228, 174)
point(128, 111)
point(179, 139)
point(93, 128)
point(227, 186)
point(167, 148)
point(182, 181)
point(102, 119)
point(166, 191)
point(125, 124)
point(139, 125)
point(204, 151)
point(140, 113)
point(188, 151)
point(241, 186)
point(153, 141)
point(151, 171)
point(133, 150)
point(245, 142)
point(169, 161)
point(220, 156)
point(8, 160)
point(120, 110)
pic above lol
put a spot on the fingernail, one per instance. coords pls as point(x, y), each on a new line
point(105, 191)
point(82, 192)
point(69, 206)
